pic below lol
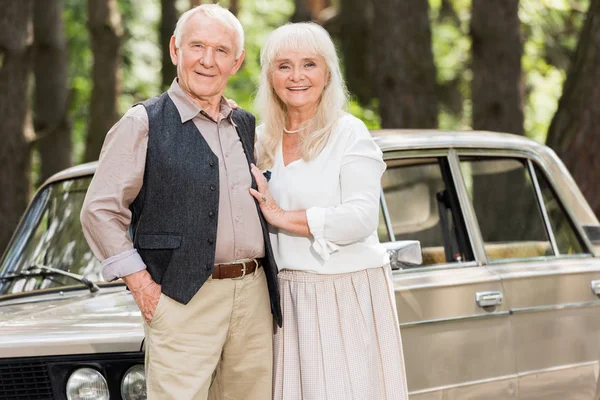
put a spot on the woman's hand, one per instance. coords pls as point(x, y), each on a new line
point(271, 211)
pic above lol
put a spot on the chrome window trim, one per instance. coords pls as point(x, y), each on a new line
point(404, 154)
point(542, 258)
point(540, 200)
point(386, 217)
point(394, 154)
point(436, 267)
point(467, 210)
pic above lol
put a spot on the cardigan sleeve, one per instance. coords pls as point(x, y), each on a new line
point(357, 216)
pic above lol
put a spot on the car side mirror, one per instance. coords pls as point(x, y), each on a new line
point(404, 254)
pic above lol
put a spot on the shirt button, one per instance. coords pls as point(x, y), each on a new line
point(212, 163)
point(213, 187)
point(238, 219)
point(207, 267)
point(210, 241)
point(211, 214)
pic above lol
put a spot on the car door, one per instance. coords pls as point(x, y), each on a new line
point(547, 271)
point(452, 318)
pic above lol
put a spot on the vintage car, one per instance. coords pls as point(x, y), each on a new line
point(496, 275)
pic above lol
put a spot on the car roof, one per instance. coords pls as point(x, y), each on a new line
point(413, 139)
point(396, 139)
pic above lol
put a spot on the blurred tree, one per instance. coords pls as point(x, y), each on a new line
point(308, 10)
point(404, 72)
point(104, 23)
point(354, 21)
point(15, 40)
point(449, 85)
point(575, 129)
point(497, 88)
point(51, 120)
point(302, 11)
point(167, 26)
point(234, 6)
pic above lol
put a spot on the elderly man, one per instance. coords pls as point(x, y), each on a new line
point(169, 212)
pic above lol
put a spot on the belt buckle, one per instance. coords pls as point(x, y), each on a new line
point(244, 267)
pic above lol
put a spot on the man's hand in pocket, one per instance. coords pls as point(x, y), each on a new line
point(145, 291)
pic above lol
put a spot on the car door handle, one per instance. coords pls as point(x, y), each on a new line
point(489, 299)
point(596, 287)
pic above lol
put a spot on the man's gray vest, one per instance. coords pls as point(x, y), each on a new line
point(174, 217)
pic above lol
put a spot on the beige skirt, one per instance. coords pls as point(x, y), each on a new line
point(340, 338)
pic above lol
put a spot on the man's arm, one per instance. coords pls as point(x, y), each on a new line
point(105, 216)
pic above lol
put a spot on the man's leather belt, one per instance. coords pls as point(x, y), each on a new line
point(237, 269)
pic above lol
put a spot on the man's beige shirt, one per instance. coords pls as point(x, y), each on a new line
point(118, 179)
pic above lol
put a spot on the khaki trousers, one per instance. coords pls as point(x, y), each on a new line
point(219, 346)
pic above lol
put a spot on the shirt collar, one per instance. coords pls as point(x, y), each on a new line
point(188, 109)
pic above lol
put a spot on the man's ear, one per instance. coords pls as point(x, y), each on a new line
point(173, 50)
point(238, 63)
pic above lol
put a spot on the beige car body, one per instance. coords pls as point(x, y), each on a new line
point(541, 342)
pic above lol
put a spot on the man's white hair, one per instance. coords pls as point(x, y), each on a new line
point(217, 13)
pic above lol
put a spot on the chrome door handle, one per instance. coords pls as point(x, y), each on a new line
point(596, 287)
point(491, 298)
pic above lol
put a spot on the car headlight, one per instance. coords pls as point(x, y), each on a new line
point(87, 384)
point(133, 385)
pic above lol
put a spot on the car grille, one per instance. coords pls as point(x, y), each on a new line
point(25, 381)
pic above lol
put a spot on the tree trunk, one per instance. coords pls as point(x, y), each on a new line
point(167, 26)
point(104, 24)
point(575, 129)
point(301, 11)
point(354, 35)
point(497, 88)
point(497, 95)
point(51, 120)
point(15, 39)
point(234, 6)
point(405, 74)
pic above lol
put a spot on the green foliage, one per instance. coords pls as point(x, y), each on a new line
point(451, 46)
point(80, 69)
point(550, 32)
point(551, 29)
point(259, 18)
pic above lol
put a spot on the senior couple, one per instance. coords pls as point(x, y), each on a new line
point(217, 258)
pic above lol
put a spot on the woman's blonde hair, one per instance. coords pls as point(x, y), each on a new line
point(303, 36)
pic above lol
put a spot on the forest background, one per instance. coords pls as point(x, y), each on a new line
point(70, 68)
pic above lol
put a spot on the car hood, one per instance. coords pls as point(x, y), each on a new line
point(76, 322)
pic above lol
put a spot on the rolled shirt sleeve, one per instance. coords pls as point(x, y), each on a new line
point(105, 216)
point(360, 181)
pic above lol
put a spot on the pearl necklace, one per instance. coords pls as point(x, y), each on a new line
point(294, 131)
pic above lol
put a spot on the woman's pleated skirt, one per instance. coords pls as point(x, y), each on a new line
point(340, 338)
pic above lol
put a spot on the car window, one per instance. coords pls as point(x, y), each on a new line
point(567, 239)
point(56, 241)
point(421, 203)
point(510, 215)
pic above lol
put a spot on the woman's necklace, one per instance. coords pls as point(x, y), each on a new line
point(294, 131)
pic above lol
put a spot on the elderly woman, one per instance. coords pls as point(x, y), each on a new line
point(340, 337)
